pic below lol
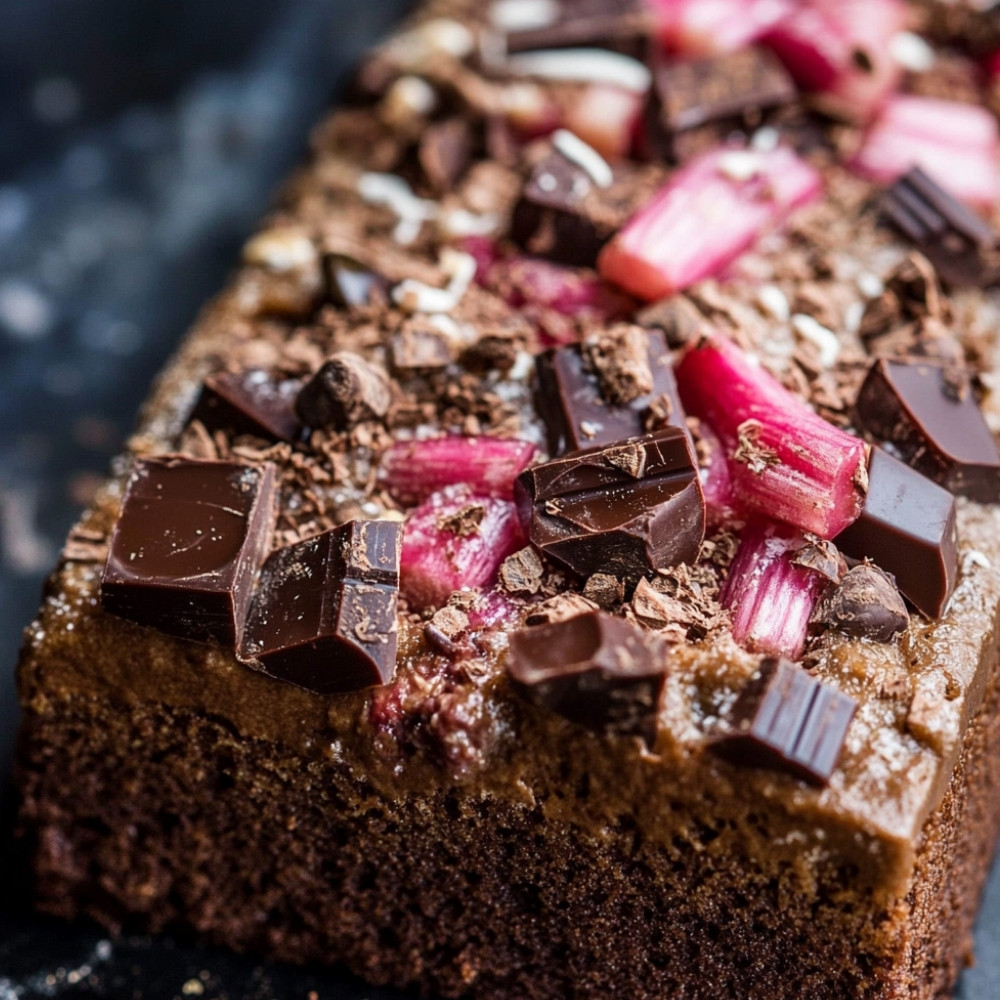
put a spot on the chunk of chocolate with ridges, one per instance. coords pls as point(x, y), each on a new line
point(577, 414)
point(188, 542)
point(731, 90)
point(344, 392)
point(574, 202)
point(627, 509)
point(907, 527)
point(930, 418)
point(950, 235)
point(864, 605)
point(593, 669)
point(351, 283)
point(786, 719)
point(324, 613)
point(250, 402)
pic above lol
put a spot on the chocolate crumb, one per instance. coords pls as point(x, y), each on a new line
point(344, 392)
point(620, 358)
point(465, 521)
point(559, 608)
point(521, 573)
point(605, 590)
point(865, 605)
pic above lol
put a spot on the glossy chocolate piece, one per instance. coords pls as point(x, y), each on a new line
point(627, 509)
point(907, 527)
point(729, 91)
point(351, 283)
point(864, 605)
point(576, 413)
point(622, 26)
point(250, 402)
point(786, 719)
point(567, 213)
point(593, 669)
point(324, 614)
point(931, 419)
point(189, 539)
point(344, 392)
point(951, 236)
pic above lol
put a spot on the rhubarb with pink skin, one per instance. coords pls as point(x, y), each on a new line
point(412, 470)
point(784, 460)
point(455, 540)
point(955, 143)
point(710, 27)
point(711, 211)
point(842, 49)
point(769, 596)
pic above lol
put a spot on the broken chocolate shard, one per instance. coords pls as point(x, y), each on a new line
point(620, 25)
point(596, 670)
point(189, 539)
point(865, 605)
point(324, 613)
point(574, 202)
point(250, 402)
point(920, 411)
point(953, 238)
point(908, 528)
point(577, 413)
point(344, 392)
point(415, 351)
point(351, 283)
point(627, 509)
point(786, 719)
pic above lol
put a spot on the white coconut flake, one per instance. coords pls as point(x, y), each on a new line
point(765, 139)
point(523, 15)
point(740, 164)
point(411, 95)
point(870, 285)
point(458, 222)
point(416, 296)
point(584, 156)
point(774, 302)
point(280, 249)
point(911, 52)
point(853, 315)
point(974, 558)
point(440, 36)
point(582, 66)
point(824, 339)
point(393, 192)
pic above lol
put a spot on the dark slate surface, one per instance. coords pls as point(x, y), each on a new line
point(140, 143)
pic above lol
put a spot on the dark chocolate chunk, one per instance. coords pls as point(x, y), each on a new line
point(930, 418)
point(621, 25)
point(593, 669)
point(626, 509)
point(324, 614)
point(865, 605)
point(578, 415)
point(952, 237)
point(190, 537)
point(727, 91)
point(786, 719)
point(567, 212)
point(907, 527)
point(445, 151)
point(351, 283)
point(344, 392)
point(250, 402)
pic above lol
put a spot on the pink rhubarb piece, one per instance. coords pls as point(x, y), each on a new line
point(709, 27)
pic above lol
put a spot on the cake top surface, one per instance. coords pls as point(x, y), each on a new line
point(602, 383)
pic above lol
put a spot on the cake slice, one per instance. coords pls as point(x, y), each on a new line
point(490, 624)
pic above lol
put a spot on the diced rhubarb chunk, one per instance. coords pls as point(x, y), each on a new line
point(413, 470)
point(710, 212)
point(710, 27)
point(843, 49)
point(956, 143)
point(606, 118)
point(769, 596)
point(785, 461)
point(455, 540)
point(721, 503)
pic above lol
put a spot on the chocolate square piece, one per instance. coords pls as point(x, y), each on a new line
point(188, 542)
point(907, 527)
point(250, 402)
point(578, 414)
point(627, 509)
point(926, 413)
point(324, 614)
point(786, 719)
point(593, 669)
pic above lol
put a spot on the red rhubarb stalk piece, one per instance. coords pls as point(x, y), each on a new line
point(956, 143)
point(413, 470)
point(721, 503)
point(841, 48)
point(455, 540)
point(769, 596)
point(784, 461)
point(710, 27)
point(711, 210)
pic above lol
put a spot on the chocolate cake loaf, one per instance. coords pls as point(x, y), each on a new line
point(565, 561)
